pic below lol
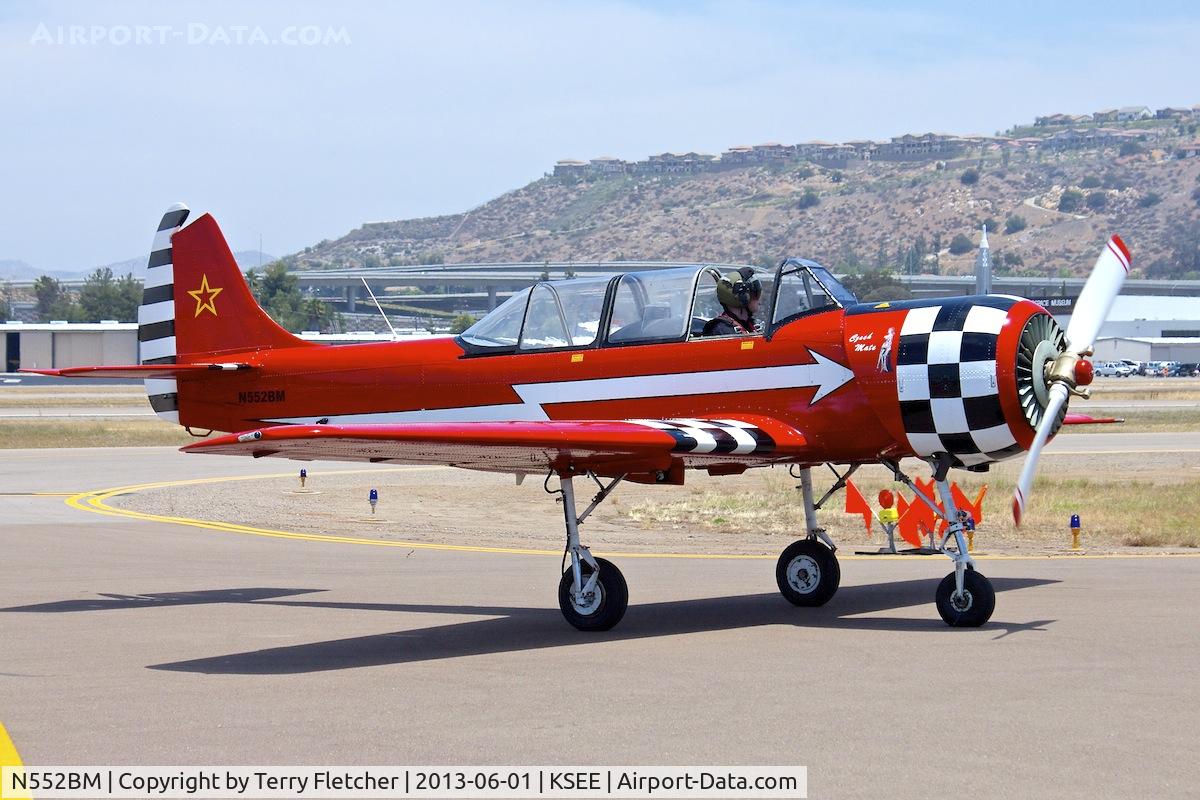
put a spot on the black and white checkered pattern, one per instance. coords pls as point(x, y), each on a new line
point(723, 436)
point(946, 380)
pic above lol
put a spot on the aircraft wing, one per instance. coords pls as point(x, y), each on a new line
point(606, 447)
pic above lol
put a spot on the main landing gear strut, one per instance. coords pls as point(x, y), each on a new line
point(807, 572)
point(592, 594)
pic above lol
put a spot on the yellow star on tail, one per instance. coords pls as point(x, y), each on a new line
point(205, 297)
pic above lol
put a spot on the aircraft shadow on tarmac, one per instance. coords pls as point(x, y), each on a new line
point(111, 602)
point(515, 629)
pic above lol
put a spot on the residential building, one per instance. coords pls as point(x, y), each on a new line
point(570, 168)
point(1133, 113)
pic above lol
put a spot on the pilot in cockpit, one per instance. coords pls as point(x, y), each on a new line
point(739, 293)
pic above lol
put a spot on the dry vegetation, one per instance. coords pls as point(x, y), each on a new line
point(20, 432)
point(1116, 512)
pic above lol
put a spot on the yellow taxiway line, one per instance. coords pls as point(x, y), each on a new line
point(9, 757)
point(96, 502)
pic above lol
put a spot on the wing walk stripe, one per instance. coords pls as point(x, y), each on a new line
point(703, 436)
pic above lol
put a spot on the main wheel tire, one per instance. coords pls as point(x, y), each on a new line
point(971, 610)
point(808, 573)
point(602, 611)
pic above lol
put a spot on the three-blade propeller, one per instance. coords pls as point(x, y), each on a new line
point(1091, 310)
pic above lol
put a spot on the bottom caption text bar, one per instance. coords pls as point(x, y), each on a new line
point(268, 783)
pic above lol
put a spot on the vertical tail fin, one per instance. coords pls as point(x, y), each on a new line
point(196, 304)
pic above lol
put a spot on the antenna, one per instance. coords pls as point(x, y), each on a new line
point(387, 321)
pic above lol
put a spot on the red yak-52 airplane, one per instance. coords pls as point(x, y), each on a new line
point(613, 379)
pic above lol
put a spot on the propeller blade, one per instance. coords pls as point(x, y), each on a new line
point(1096, 299)
point(1058, 398)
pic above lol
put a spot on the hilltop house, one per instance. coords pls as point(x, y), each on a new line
point(1132, 113)
point(570, 168)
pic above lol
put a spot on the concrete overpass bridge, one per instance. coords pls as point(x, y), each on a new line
point(481, 286)
point(490, 281)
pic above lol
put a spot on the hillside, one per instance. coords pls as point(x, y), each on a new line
point(864, 216)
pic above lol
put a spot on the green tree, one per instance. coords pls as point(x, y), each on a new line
point(279, 295)
point(129, 297)
point(1096, 201)
point(808, 199)
point(1089, 182)
point(103, 297)
point(969, 177)
point(876, 284)
point(53, 300)
point(461, 323)
point(1130, 148)
point(1149, 199)
point(5, 305)
point(960, 244)
point(1070, 201)
point(1014, 224)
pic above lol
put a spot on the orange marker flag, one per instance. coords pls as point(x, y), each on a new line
point(907, 525)
point(974, 509)
point(924, 519)
point(857, 504)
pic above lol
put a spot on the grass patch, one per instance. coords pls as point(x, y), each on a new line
point(33, 432)
point(33, 399)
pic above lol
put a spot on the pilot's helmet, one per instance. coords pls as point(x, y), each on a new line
point(736, 289)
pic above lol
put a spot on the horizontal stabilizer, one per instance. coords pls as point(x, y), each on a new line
point(138, 371)
point(1084, 419)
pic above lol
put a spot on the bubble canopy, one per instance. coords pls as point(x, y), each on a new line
point(661, 305)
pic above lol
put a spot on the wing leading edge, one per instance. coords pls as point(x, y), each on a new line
point(649, 450)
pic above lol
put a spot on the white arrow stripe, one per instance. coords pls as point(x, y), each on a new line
point(825, 374)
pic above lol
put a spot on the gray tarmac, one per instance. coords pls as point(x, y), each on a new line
point(137, 642)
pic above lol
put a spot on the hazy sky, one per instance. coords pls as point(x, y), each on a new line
point(375, 111)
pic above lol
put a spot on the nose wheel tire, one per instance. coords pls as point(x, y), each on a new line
point(971, 609)
point(808, 573)
point(602, 607)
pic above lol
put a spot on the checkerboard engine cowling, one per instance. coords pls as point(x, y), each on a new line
point(946, 380)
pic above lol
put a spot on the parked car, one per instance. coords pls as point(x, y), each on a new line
point(1139, 367)
point(1113, 369)
point(1184, 371)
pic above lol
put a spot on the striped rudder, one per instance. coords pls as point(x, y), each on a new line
point(156, 315)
